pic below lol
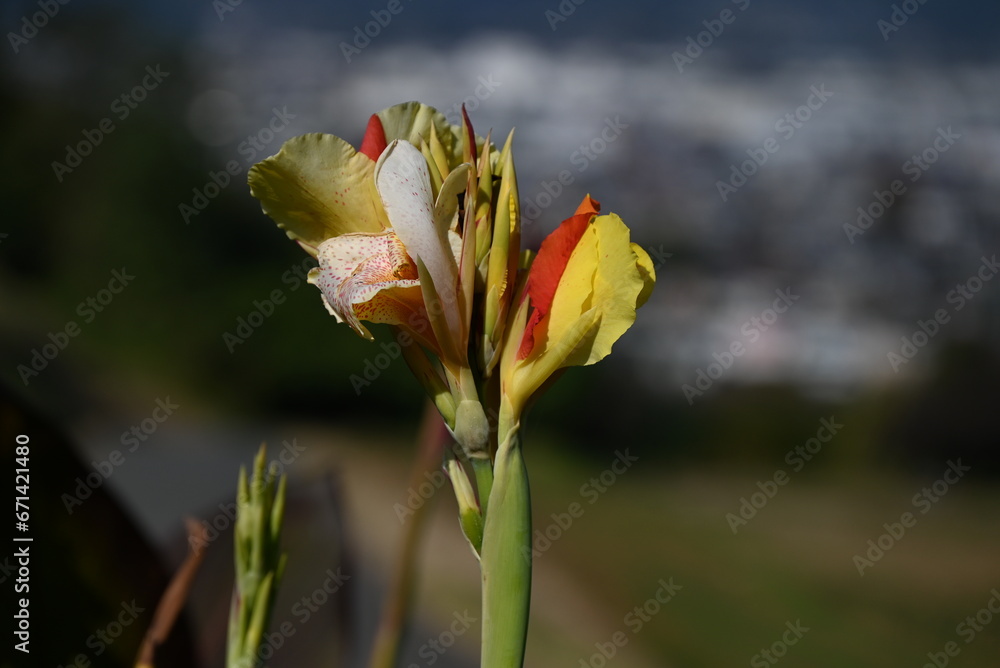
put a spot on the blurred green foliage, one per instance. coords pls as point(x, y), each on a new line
point(193, 280)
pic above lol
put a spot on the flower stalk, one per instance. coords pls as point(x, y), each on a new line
point(506, 560)
point(420, 230)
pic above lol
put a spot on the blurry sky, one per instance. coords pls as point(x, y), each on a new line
point(752, 146)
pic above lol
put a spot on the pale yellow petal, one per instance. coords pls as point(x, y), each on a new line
point(647, 271)
point(317, 187)
point(412, 121)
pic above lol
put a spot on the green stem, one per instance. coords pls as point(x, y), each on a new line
point(483, 469)
point(506, 559)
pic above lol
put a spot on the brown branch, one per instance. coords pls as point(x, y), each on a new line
point(432, 440)
point(173, 599)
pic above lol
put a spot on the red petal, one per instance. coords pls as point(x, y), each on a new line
point(374, 142)
point(549, 265)
point(588, 205)
point(472, 135)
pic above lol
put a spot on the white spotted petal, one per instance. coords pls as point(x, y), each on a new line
point(367, 276)
point(403, 183)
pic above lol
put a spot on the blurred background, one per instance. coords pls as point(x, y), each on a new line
point(815, 182)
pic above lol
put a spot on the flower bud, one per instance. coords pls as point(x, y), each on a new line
point(472, 429)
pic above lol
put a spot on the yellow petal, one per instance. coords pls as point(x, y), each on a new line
point(530, 374)
point(605, 280)
point(412, 121)
point(575, 291)
point(318, 187)
point(647, 271)
point(617, 286)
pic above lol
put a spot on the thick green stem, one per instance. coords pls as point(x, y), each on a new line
point(506, 559)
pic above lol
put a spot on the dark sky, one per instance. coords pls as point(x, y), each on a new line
point(763, 30)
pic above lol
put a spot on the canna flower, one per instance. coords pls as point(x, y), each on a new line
point(581, 294)
point(401, 229)
point(381, 221)
point(420, 229)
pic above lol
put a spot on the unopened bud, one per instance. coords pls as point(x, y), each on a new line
point(472, 429)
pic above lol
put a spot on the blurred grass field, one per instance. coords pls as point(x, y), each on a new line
point(792, 563)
